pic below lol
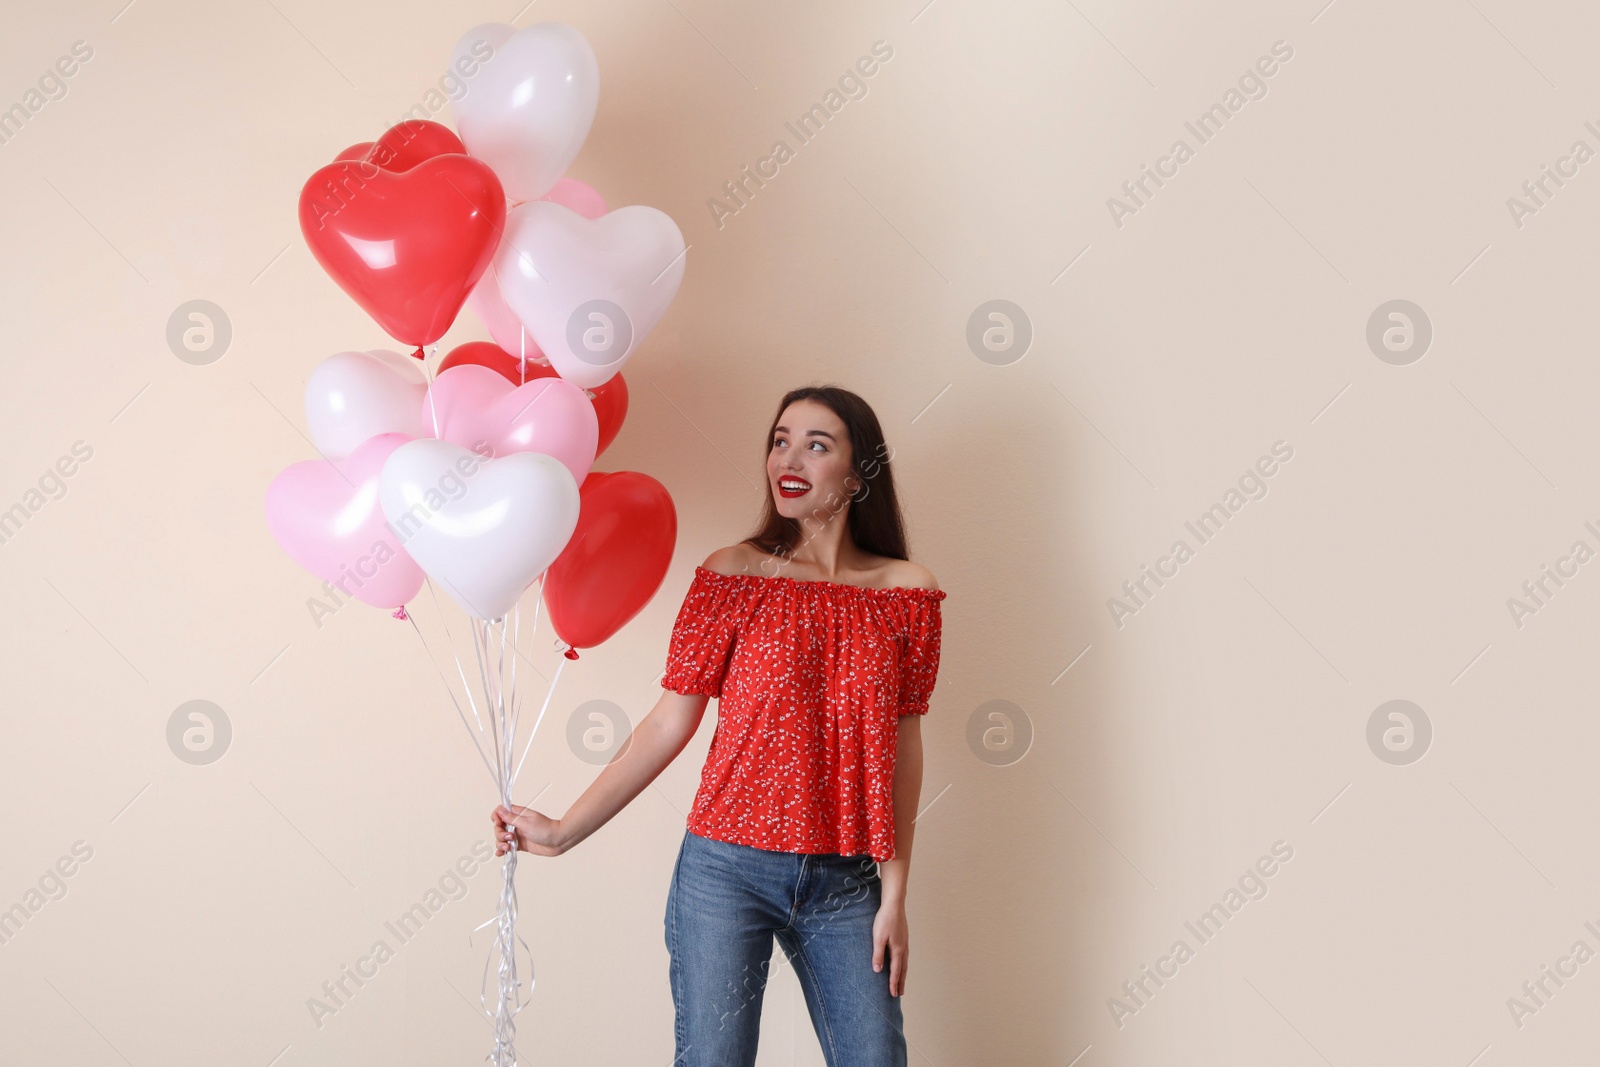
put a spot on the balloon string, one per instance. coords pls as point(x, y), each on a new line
point(511, 703)
point(503, 1038)
point(538, 604)
point(451, 690)
point(516, 653)
point(503, 710)
point(510, 1000)
point(489, 704)
point(431, 379)
point(449, 639)
point(531, 734)
point(516, 648)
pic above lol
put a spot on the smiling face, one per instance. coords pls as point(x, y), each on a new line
point(809, 462)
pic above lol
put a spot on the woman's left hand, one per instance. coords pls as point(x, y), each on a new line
point(889, 931)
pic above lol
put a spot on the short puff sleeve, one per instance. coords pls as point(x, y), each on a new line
point(703, 636)
point(919, 663)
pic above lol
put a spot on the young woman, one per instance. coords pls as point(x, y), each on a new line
point(821, 642)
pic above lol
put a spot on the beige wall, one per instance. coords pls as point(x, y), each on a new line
point(1229, 312)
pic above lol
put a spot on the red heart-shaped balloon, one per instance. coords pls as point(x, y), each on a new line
point(615, 559)
point(407, 247)
point(405, 144)
point(485, 354)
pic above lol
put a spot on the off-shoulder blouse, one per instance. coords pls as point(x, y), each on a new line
point(811, 679)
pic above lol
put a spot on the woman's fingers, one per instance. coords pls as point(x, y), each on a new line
point(505, 835)
point(518, 827)
point(897, 971)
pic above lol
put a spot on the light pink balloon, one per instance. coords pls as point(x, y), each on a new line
point(329, 519)
point(475, 405)
point(490, 307)
point(486, 300)
point(584, 199)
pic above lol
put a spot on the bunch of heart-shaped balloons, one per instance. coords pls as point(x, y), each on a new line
point(478, 476)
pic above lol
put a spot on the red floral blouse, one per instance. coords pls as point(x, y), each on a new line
point(811, 678)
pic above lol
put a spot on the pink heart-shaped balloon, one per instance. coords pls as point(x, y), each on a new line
point(470, 405)
point(327, 516)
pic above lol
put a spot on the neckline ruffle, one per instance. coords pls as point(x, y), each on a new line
point(933, 594)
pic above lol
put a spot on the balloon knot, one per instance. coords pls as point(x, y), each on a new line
point(400, 612)
point(570, 653)
point(420, 354)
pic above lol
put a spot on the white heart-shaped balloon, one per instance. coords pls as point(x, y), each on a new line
point(529, 101)
point(353, 396)
point(483, 528)
point(589, 291)
point(486, 301)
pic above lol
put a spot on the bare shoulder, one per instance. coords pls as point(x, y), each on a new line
point(909, 575)
point(734, 559)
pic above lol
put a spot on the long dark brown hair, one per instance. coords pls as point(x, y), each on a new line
point(875, 523)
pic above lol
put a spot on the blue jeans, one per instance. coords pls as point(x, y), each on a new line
point(724, 906)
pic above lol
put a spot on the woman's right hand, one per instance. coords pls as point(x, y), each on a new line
point(525, 829)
